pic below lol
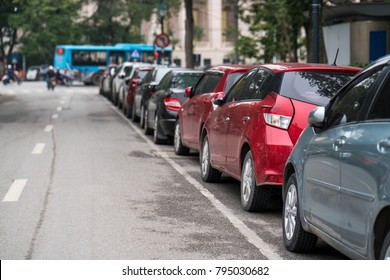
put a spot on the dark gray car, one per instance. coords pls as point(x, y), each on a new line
point(337, 179)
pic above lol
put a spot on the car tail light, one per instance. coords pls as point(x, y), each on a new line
point(277, 120)
point(280, 113)
point(172, 103)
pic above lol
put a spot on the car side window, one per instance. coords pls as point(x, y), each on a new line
point(348, 106)
point(380, 108)
point(238, 91)
point(258, 86)
point(207, 83)
point(165, 82)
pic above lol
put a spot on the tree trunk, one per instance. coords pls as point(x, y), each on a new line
point(189, 47)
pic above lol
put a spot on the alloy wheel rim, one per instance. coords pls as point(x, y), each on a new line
point(247, 181)
point(177, 137)
point(205, 157)
point(155, 128)
point(146, 120)
point(290, 211)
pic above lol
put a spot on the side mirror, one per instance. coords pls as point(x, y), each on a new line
point(218, 101)
point(187, 92)
point(121, 75)
point(317, 117)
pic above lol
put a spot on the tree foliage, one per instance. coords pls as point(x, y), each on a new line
point(277, 25)
point(43, 24)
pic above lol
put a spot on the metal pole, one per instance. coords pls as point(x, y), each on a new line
point(316, 31)
point(236, 32)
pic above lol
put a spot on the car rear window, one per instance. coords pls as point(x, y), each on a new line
point(184, 80)
point(313, 87)
point(231, 79)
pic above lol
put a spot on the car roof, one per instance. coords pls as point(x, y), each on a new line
point(231, 67)
point(295, 66)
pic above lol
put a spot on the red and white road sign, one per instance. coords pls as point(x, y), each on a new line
point(162, 40)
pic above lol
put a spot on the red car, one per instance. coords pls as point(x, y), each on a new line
point(251, 133)
point(132, 83)
point(214, 83)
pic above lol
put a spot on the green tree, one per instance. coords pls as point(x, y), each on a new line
point(278, 24)
point(42, 24)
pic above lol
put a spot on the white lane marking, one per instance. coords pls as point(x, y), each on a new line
point(59, 109)
point(49, 128)
point(55, 116)
point(266, 249)
point(38, 149)
point(15, 190)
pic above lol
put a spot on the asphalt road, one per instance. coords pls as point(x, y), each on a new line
point(80, 181)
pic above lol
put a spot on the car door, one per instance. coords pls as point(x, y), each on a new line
point(323, 187)
point(219, 121)
point(365, 163)
point(200, 103)
point(244, 118)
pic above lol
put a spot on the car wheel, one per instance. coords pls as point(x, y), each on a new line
point(147, 129)
point(295, 238)
point(134, 117)
point(177, 144)
point(209, 174)
point(156, 132)
point(253, 197)
point(142, 117)
point(385, 252)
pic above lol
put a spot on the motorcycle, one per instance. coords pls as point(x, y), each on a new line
point(6, 80)
point(51, 83)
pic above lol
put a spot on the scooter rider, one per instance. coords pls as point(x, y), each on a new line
point(49, 76)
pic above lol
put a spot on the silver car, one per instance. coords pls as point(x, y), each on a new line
point(337, 179)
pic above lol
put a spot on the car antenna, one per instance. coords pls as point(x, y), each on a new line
point(335, 59)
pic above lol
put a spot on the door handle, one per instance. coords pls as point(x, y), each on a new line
point(383, 146)
point(246, 118)
point(226, 119)
point(338, 143)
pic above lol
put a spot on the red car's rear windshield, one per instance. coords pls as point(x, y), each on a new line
point(312, 87)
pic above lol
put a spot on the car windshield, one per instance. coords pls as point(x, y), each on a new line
point(184, 80)
point(231, 79)
point(313, 87)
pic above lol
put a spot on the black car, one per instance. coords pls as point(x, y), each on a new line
point(163, 106)
point(145, 91)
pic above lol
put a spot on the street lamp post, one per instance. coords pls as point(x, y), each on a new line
point(162, 12)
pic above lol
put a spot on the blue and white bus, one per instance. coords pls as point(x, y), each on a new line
point(86, 62)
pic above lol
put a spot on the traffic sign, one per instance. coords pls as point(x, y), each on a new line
point(162, 40)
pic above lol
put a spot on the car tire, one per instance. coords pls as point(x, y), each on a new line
point(134, 117)
point(157, 131)
point(208, 173)
point(147, 129)
point(385, 251)
point(253, 197)
point(295, 238)
point(178, 146)
point(142, 117)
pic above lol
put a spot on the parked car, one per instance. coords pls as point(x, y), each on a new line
point(162, 107)
point(213, 84)
point(145, 91)
point(105, 80)
point(37, 72)
point(121, 71)
point(336, 182)
point(131, 84)
point(255, 126)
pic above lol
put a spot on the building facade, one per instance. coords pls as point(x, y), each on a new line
point(213, 32)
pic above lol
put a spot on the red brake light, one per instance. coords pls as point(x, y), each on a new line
point(278, 114)
point(172, 103)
